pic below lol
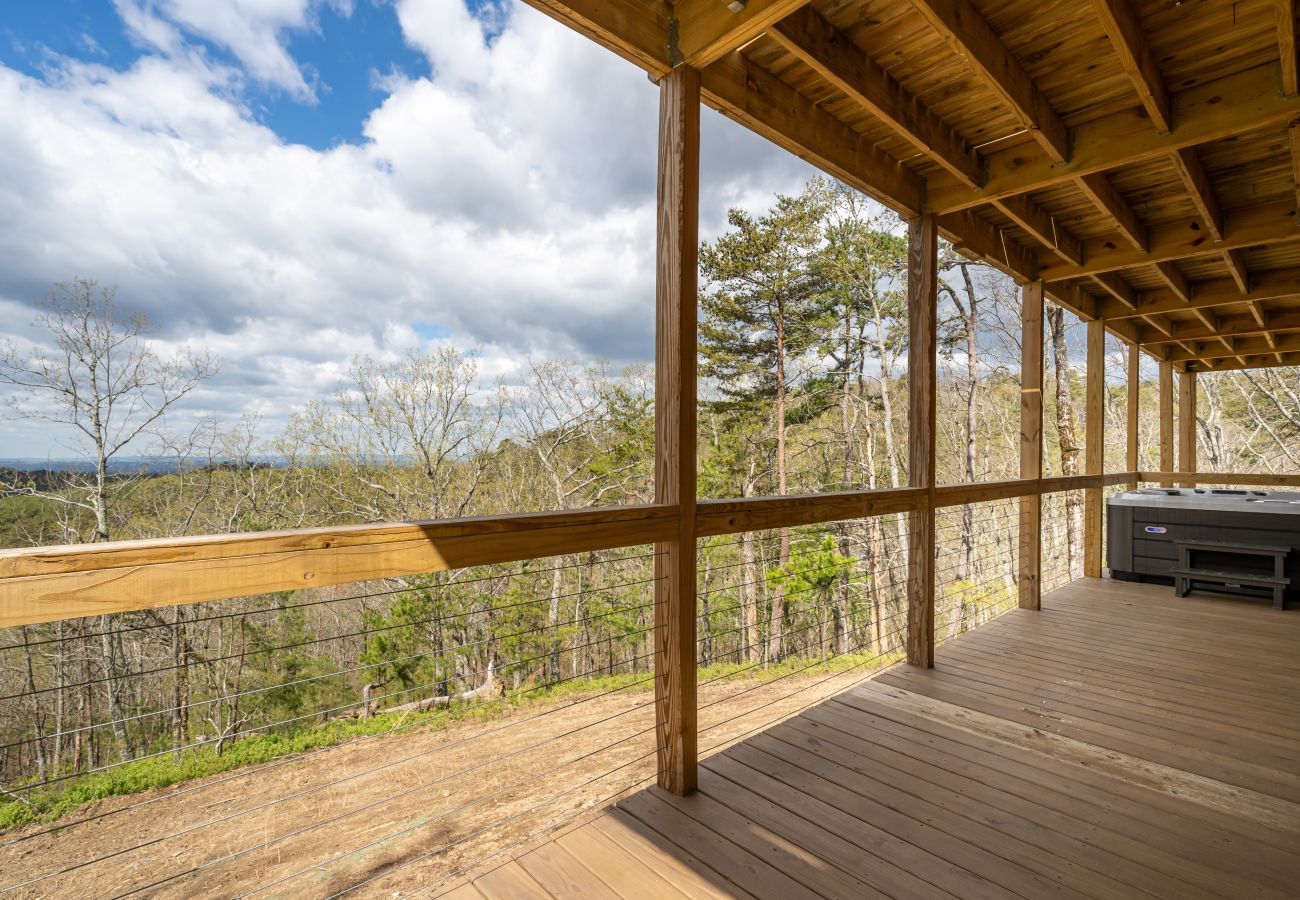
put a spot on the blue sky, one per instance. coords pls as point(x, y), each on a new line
point(288, 184)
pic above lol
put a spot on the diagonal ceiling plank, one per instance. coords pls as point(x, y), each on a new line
point(1189, 168)
point(967, 32)
point(702, 31)
point(1286, 44)
point(1209, 111)
point(834, 56)
point(1236, 264)
point(1130, 43)
point(1102, 193)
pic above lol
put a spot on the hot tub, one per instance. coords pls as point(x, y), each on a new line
point(1143, 528)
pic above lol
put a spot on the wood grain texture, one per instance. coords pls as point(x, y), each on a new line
point(967, 33)
point(1029, 575)
point(1275, 285)
point(1166, 391)
point(1285, 12)
point(676, 295)
point(1200, 189)
point(922, 362)
point(707, 30)
point(1187, 423)
point(1098, 188)
point(1133, 384)
point(717, 517)
point(833, 55)
point(1139, 63)
point(1094, 411)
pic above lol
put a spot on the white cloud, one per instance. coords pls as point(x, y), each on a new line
point(507, 199)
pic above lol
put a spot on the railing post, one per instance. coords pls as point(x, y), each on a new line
point(1031, 442)
point(1187, 424)
point(1094, 458)
point(675, 355)
point(1134, 398)
point(922, 299)
point(1166, 419)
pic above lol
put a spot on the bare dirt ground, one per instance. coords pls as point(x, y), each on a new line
point(388, 816)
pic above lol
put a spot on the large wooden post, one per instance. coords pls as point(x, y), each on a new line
point(1187, 424)
point(675, 355)
point(1094, 456)
point(1133, 460)
point(1031, 442)
point(1166, 419)
point(922, 299)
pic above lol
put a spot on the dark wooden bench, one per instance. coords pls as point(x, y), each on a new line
point(1232, 565)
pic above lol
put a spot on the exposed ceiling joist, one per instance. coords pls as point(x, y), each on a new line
point(1201, 190)
point(702, 31)
point(1236, 264)
point(1235, 326)
point(1274, 285)
point(1264, 223)
point(1134, 53)
point(1029, 216)
point(1238, 103)
point(834, 56)
point(1175, 280)
point(1117, 287)
point(1267, 361)
point(633, 29)
point(1293, 132)
point(1102, 193)
point(1243, 346)
point(1286, 44)
point(968, 33)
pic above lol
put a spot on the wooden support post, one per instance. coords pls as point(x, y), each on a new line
point(1187, 424)
point(675, 355)
point(922, 299)
point(1166, 419)
point(1134, 398)
point(1031, 442)
point(1094, 459)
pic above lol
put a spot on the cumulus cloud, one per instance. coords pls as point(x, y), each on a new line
point(505, 197)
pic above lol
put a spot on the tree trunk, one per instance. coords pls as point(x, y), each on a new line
point(1067, 438)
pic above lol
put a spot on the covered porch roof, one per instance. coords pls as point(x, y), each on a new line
point(1141, 159)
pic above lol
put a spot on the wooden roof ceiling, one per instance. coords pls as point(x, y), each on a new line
point(1142, 157)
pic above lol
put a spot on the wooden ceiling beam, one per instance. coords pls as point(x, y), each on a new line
point(1199, 187)
point(1243, 346)
point(1102, 193)
point(976, 239)
point(1209, 111)
point(1031, 217)
point(1175, 280)
point(1286, 44)
point(1139, 63)
point(702, 31)
point(1267, 361)
point(1293, 133)
point(1117, 287)
point(967, 33)
point(1274, 285)
point(1263, 223)
point(633, 29)
point(833, 55)
point(745, 92)
point(1236, 264)
point(1257, 311)
point(1234, 326)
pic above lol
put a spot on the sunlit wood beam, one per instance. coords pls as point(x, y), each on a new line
point(1031, 217)
point(702, 31)
point(967, 32)
point(833, 55)
point(1236, 264)
point(1102, 193)
point(1286, 43)
point(1134, 53)
point(1189, 168)
point(1117, 287)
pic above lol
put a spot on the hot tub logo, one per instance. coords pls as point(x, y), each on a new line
point(1155, 529)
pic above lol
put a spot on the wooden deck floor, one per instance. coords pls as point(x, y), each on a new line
point(1120, 743)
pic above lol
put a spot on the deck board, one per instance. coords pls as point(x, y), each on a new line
point(1121, 742)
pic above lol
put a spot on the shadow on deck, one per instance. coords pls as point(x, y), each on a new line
point(1119, 743)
